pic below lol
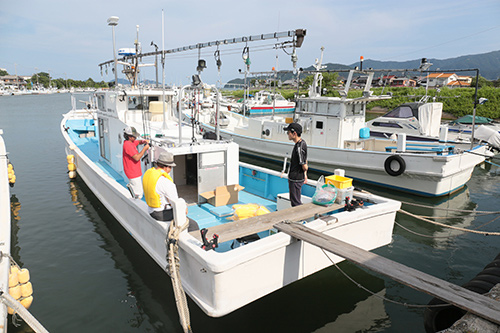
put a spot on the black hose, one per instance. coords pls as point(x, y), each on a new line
point(440, 318)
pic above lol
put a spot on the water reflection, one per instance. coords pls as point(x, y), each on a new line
point(149, 293)
point(15, 217)
point(320, 302)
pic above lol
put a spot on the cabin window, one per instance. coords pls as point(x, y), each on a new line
point(379, 124)
point(319, 125)
point(136, 102)
point(322, 107)
point(403, 111)
point(100, 103)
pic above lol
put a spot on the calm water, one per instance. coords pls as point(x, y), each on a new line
point(89, 275)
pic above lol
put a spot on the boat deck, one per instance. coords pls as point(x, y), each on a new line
point(206, 215)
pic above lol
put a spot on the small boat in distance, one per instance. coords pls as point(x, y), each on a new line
point(421, 121)
point(266, 103)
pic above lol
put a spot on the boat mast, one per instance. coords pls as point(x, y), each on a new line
point(313, 90)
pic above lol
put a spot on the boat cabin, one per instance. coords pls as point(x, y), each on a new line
point(201, 165)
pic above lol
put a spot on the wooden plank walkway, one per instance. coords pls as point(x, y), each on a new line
point(477, 304)
point(252, 225)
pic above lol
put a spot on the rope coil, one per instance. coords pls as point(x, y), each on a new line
point(173, 270)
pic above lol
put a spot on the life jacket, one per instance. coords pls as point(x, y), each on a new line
point(149, 181)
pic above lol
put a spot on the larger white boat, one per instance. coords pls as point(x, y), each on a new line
point(240, 269)
point(337, 137)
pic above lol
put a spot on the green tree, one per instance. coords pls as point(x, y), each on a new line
point(330, 80)
point(42, 78)
point(482, 82)
point(3, 73)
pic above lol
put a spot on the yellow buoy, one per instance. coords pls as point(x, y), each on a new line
point(14, 269)
point(23, 275)
point(71, 167)
point(26, 302)
point(26, 289)
point(15, 291)
point(70, 158)
point(13, 280)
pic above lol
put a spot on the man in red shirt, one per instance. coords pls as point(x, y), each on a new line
point(132, 160)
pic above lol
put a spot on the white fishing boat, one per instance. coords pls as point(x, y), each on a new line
point(337, 137)
point(266, 103)
point(241, 269)
point(421, 121)
point(4, 230)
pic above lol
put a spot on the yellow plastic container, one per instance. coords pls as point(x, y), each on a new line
point(339, 181)
point(70, 158)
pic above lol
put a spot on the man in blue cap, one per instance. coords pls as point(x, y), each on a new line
point(297, 174)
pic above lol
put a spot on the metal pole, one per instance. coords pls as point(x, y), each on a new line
point(164, 125)
point(474, 111)
point(217, 112)
point(113, 21)
point(114, 56)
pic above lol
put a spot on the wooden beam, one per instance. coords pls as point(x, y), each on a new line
point(253, 225)
point(477, 304)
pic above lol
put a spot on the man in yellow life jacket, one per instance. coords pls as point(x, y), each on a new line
point(159, 190)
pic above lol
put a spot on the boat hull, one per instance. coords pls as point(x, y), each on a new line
point(425, 174)
point(221, 282)
point(5, 230)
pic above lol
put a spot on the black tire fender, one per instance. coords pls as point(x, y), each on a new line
point(394, 172)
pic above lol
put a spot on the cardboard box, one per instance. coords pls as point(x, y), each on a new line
point(223, 195)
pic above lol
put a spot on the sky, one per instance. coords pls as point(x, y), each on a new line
point(68, 39)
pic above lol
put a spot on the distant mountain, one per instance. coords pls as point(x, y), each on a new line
point(488, 64)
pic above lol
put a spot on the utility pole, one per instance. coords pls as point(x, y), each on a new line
point(17, 77)
point(37, 87)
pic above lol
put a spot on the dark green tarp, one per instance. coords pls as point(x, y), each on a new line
point(468, 120)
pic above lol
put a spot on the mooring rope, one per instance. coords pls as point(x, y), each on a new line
point(452, 209)
point(173, 267)
point(419, 234)
point(486, 233)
